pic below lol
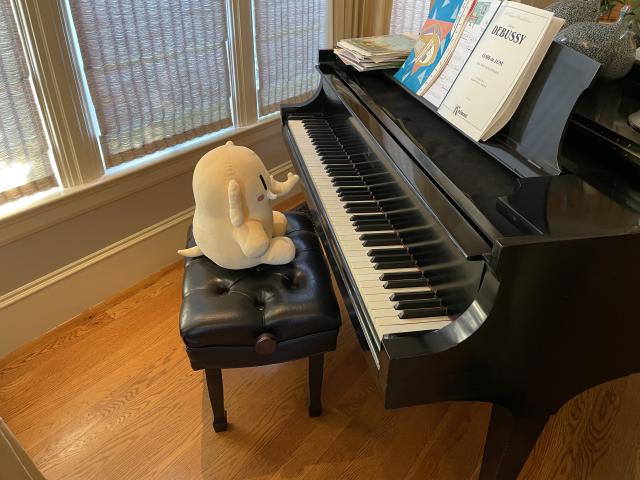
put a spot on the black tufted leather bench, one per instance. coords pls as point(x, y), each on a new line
point(259, 316)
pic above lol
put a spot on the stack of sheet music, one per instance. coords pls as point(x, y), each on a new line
point(475, 59)
point(375, 53)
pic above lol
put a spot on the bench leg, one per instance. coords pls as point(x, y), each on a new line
point(316, 365)
point(216, 397)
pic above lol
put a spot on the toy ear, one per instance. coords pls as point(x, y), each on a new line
point(235, 203)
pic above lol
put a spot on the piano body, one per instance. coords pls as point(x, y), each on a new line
point(469, 278)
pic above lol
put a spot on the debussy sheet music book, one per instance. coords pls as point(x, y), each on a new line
point(486, 62)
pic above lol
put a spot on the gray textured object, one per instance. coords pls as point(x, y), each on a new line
point(591, 39)
point(574, 11)
point(634, 120)
point(613, 45)
point(622, 56)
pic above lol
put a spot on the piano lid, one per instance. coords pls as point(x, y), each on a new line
point(567, 206)
point(604, 110)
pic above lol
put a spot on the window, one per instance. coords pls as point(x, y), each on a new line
point(157, 71)
point(407, 16)
point(25, 166)
point(86, 85)
point(288, 35)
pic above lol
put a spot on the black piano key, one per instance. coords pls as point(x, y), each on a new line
point(401, 276)
point(386, 261)
point(320, 136)
point(319, 132)
point(401, 257)
point(397, 297)
point(354, 191)
point(337, 164)
point(345, 183)
point(362, 209)
point(341, 173)
point(344, 176)
point(366, 216)
point(423, 312)
point(381, 242)
point(354, 197)
point(354, 188)
point(329, 149)
point(380, 252)
point(372, 227)
point(338, 154)
point(377, 221)
point(320, 126)
point(379, 236)
point(389, 265)
point(341, 170)
point(410, 282)
point(335, 161)
point(427, 302)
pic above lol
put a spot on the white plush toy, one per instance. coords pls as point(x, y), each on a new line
point(234, 224)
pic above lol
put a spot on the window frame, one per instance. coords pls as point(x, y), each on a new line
point(47, 33)
point(53, 58)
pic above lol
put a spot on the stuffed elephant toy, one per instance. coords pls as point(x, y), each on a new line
point(233, 223)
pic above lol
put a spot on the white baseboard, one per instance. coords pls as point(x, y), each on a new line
point(49, 301)
point(45, 303)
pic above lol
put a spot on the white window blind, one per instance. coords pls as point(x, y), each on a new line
point(157, 71)
point(25, 166)
point(407, 16)
point(288, 35)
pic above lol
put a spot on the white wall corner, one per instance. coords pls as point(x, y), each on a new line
point(45, 303)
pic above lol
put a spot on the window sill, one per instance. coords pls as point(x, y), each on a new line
point(31, 214)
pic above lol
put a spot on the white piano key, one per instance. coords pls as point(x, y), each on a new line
point(375, 297)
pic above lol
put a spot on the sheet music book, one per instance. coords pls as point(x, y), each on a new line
point(436, 41)
point(496, 75)
point(481, 72)
point(481, 15)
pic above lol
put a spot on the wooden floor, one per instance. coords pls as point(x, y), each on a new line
point(111, 395)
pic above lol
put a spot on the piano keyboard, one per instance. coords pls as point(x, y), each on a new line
point(359, 207)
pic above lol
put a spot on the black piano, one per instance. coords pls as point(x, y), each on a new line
point(501, 272)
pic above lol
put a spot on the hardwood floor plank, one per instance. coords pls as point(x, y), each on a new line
point(111, 395)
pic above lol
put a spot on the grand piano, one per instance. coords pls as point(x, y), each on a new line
point(501, 272)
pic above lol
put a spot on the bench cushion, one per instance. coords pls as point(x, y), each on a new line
point(232, 308)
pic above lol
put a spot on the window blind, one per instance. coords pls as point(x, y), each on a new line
point(25, 166)
point(157, 71)
point(407, 16)
point(288, 35)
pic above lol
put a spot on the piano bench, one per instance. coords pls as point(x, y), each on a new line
point(260, 316)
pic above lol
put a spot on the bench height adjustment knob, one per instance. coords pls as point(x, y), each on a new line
point(266, 344)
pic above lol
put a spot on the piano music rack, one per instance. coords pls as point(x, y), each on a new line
point(530, 143)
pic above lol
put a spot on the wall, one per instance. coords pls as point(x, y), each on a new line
point(62, 258)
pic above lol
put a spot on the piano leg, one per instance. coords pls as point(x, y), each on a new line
point(508, 444)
